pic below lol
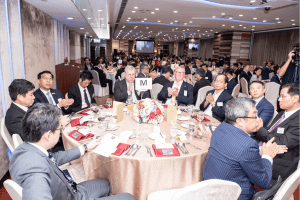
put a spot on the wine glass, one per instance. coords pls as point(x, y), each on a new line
point(94, 108)
point(200, 116)
point(190, 109)
point(173, 131)
point(108, 102)
point(145, 132)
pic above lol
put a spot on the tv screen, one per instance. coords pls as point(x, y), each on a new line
point(143, 46)
point(193, 46)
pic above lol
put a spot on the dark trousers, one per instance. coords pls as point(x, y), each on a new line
point(109, 85)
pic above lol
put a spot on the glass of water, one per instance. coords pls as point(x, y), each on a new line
point(191, 130)
point(173, 131)
point(190, 109)
point(200, 116)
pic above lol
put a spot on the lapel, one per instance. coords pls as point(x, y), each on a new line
point(17, 108)
point(43, 95)
point(183, 87)
point(30, 147)
point(77, 91)
point(54, 95)
point(260, 103)
point(285, 122)
point(220, 98)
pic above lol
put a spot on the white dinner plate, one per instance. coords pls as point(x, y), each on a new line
point(155, 135)
point(125, 109)
point(112, 127)
point(183, 118)
point(185, 125)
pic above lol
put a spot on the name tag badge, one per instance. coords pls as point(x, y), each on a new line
point(280, 130)
point(206, 77)
point(219, 103)
point(185, 93)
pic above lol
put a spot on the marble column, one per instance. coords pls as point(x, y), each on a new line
point(82, 48)
point(75, 51)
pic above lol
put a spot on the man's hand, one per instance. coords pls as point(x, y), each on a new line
point(291, 55)
point(65, 120)
point(65, 102)
point(210, 98)
point(270, 149)
point(93, 144)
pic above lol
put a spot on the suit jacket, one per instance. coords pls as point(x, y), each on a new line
point(234, 156)
point(75, 94)
point(38, 176)
point(120, 91)
point(275, 79)
point(245, 75)
point(238, 72)
point(230, 85)
point(218, 112)
point(161, 80)
point(147, 93)
point(187, 70)
point(284, 164)
point(265, 73)
point(265, 110)
point(208, 76)
point(13, 119)
point(198, 85)
point(102, 76)
point(188, 99)
point(119, 72)
point(86, 68)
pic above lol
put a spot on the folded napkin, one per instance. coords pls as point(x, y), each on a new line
point(84, 112)
point(76, 135)
point(204, 120)
point(76, 122)
point(165, 106)
point(121, 148)
point(106, 106)
point(158, 152)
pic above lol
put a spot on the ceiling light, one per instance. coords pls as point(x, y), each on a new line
point(89, 18)
point(211, 30)
point(176, 21)
point(230, 17)
point(99, 10)
point(293, 24)
point(133, 11)
point(145, 19)
point(255, 18)
point(156, 8)
point(69, 18)
point(205, 31)
point(171, 22)
point(277, 18)
point(198, 30)
point(183, 30)
point(175, 11)
point(191, 21)
point(81, 28)
point(264, 20)
point(279, 22)
point(240, 25)
point(222, 13)
point(245, 27)
point(136, 7)
point(129, 18)
point(216, 32)
point(84, 9)
point(241, 15)
point(152, 12)
point(223, 25)
point(187, 29)
point(213, 16)
point(147, 27)
point(176, 28)
point(232, 26)
point(292, 20)
point(158, 21)
point(185, 23)
point(252, 29)
point(253, 26)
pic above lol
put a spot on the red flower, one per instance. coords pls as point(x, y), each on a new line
point(152, 115)
point(158, 111)
point(139, 115)
point(140, 103)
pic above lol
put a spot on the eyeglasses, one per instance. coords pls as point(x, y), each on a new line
point(180, 72)
point(61, 129)
point(251, 117)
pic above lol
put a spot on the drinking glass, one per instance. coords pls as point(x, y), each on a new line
point(173, 131)
point(104, 125)
point(190, 109)
point(94, 109)
point(145, 132)
point(129, 102)
point(137, 131)
point(191, 130)
point(200, 116)
point(109, 102)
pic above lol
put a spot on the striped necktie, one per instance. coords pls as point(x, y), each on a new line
point(49, 98)
point(277, 123)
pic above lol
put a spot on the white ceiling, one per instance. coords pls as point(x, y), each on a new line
point(213, 16)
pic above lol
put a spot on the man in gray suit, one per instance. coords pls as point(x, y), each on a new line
point(144, 73)
point(37, 171)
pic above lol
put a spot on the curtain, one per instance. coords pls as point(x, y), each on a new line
point(206, 48)
point(180, 48)
point(274, 46)
point(130, 45)
point(171, 48)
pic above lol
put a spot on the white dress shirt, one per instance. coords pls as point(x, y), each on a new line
point(288, 114)
point(84, 104)
point(258, 100)
point(134, 98)
point(42, 149)
point(208, 110)
point(22, 107)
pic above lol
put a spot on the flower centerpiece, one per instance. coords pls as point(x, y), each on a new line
point(148, 111)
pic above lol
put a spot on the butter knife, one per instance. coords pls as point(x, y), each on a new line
point(138, 148)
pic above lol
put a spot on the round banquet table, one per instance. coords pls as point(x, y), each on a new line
point(142, 174)
point(111, 75)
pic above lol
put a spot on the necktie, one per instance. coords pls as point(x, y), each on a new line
point(277, 123)
point(86, 98)
point(71, 182)
point(49, 98)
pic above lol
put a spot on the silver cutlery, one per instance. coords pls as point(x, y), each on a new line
point(185, 148)
point(161, 135)
point(134, 147)
point(138, 148)
point(179, 148)
point(192, 145)
point(202, 138)
point(128, 150)
point(149, 150)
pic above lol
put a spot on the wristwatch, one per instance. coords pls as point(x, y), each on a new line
point(85, 148)
point(213, 105)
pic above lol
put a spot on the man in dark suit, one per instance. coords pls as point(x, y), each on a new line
point(231, 81)
point(21, 94)
point(285, 128)
point(208, 75)
point(267, 70)
point(45, 94)
point(215, 101)
point(87, 64)
point(244, 73)
point(276, 78)
point(265, 110)
point(82, 93)
point(202, 82)
point(177, 90)
point(164, 78)
point(234, 156)
point(38, 172)
point(126, 87)
point(102, 78)
point(121, 70)
point(144, 73)
point(239, 70)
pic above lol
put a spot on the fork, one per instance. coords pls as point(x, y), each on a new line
point(148, 149)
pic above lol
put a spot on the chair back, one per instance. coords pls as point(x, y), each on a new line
point(14, 190)
point(156, 88)
point(236, 91)
point(271, 74)
point(238, 79)
point(272, 93)
point(17, 140)
point(234, 75)
point(6, 136)
point(95, 77)
point(289, 186)
point(210, 189)
point(123, 75)
point(201, 95)
point(275, 113)
point(244, 85)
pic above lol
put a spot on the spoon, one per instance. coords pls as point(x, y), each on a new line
point(136, 150)
point(134, 147)
point(183, 147)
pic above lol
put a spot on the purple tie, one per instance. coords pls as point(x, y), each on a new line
point(277, 123)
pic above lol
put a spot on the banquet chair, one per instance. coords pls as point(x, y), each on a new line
point(204, 190)
point(275, 113)
point(238, 79)
point(244, 85)
point(289, 186)
point(99, 91)
point(6, 136)
point(236, 91)
point(272, 93)
point(156, 88)
point(17, 140)
point(202, 94)
point(66, 96)
point(123, 75)
point(14, 190)
point(271, 74)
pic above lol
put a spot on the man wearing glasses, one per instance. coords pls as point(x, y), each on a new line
point(177, 90)
point(125, 88)
point(285, 129)
point(144, 73)
point(235, 156)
